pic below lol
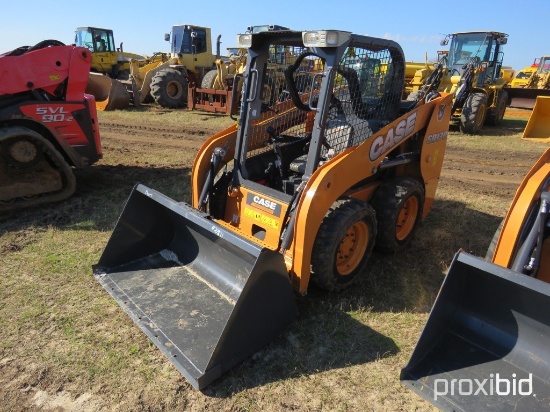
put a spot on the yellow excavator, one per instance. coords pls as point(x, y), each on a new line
point(486, 344)
point(301, 189)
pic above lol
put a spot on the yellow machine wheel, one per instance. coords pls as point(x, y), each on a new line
point(398, 204)
point(473, 113)
point(169, 88)
point(343, 244)
point(208, 80)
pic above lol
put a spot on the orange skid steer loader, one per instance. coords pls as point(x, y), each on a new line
point(302, 189)
point(486, 344)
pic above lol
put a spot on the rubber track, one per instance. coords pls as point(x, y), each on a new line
point(67, 177)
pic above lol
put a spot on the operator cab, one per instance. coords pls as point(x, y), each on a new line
point(186, 39)
point(480, 49)
point(95, 39)
point(353, 90)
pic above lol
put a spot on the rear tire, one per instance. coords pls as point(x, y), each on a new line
point(343, 244)
point(169, 89)
point(473, 113)
point(496, 114)
point(398, 204)
point(208, 79)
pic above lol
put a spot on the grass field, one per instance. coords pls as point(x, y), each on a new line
point(66, 345)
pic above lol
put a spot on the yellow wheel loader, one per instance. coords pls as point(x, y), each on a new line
point(472, 71)
point(486, 344)
point(106, 57)
point(301, 189)
point(167, 77)
point(110, 66)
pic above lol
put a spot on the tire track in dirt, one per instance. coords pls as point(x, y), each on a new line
point(186, 137)
point(470, 170)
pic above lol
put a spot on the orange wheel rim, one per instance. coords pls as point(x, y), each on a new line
point(352, 248)
point(407, 218)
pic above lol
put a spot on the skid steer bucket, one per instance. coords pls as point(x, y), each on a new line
point(206, 297)
point(486, 344)
point(109, 93)
point(538, 125)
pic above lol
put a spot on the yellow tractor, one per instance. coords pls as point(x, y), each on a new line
point(472, 71)
point(522, 77)
point(110, 67)
point(301, 189)
point(536, 83)
point(167, 77)
point(106, 57)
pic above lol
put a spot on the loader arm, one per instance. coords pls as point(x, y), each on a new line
point(526, 198)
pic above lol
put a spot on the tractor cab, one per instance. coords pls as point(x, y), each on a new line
point(482, 49)
point(94, 39)
point(192, 45)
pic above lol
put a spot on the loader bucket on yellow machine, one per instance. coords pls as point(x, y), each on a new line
point(524, 98)
point(206, 297)
point(109, 93)
point(538, 125)
point(486, 344)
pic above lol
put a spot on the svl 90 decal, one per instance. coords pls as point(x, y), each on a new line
point(54, 114)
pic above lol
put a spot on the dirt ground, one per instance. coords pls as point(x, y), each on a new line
point(495, 172)
point(152, 150)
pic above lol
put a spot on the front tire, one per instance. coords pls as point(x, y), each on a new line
point(343, 244)
point(473, 113)
point(169, 89)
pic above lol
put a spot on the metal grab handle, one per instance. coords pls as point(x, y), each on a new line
point(254, 85)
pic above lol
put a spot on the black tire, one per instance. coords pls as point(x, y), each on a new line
point(496, 114)
point(122, 75)
point(343, 244)
point(169, 89)
point(398, 204)
point(473, 113)
point(208, 79)
point(493, 245)
point(45, 43)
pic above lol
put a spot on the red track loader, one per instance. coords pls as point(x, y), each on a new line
point(48, 125)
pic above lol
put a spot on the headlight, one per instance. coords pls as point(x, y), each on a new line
point(325, 38)
point(244, 40)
